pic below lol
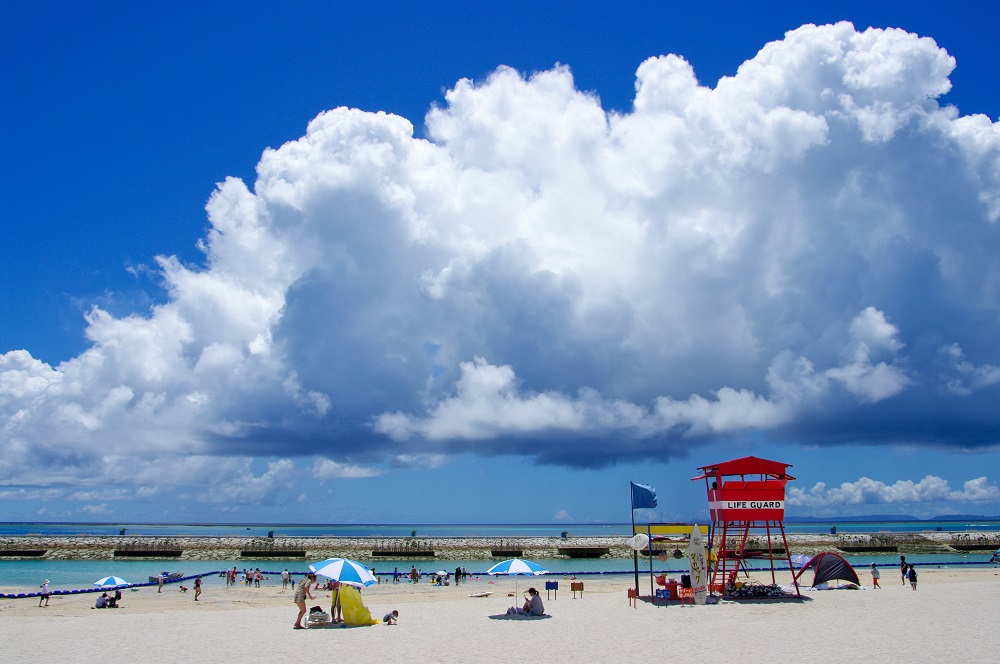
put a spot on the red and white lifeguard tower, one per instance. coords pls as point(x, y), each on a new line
point(746, 498)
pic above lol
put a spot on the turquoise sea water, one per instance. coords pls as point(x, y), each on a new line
point(28, 574)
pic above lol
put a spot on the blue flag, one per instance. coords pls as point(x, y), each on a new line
point(643, 496)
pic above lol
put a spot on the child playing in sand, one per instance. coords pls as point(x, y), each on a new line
point(391, 618)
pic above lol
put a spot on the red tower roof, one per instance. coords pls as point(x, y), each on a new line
point(750, 465)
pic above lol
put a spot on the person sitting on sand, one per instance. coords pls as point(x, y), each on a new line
point(391, 618)
point(102, 601)
point(301, 591)
point(532, 605)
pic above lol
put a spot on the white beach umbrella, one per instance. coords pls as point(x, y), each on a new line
point(800, 560)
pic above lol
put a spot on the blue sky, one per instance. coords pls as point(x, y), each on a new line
point(455, 254)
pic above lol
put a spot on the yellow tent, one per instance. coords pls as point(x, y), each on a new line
point(353, 609)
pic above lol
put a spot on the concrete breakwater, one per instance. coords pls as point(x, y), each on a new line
point(83, 547)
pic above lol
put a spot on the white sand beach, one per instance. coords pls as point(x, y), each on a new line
point(951, 615)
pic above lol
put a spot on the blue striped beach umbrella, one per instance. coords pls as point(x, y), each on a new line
point(516, 567)
point(110, 582)
point(344, 570)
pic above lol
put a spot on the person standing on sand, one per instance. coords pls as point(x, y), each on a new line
point(301, 591)
point(44, 594)
point(912, 576)
point(336, 610)
point(875, 576)
point(197, 587)
point(902, 568)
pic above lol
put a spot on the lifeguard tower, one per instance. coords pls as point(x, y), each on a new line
point(746, 498)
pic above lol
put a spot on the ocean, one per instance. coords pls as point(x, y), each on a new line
point(29, 574)
point(492, 530)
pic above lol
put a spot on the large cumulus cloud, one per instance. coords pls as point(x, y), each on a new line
point(808, 248)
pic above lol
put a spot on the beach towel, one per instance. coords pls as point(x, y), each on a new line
point(518, 616)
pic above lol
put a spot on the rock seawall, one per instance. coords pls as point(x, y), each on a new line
point(84, 547)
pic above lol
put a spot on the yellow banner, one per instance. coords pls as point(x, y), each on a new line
point(667, 529)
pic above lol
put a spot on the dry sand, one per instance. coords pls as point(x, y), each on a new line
point(952, 616)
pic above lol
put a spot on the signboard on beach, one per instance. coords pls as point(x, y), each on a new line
point(748, 501)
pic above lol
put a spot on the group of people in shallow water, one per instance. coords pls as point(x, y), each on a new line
point(436, 578)
point(250, 577)
point(907, 571)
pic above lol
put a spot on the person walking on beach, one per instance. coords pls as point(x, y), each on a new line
point(875, 576)
point(902, 568)
point(44, 595)
point(395, 575)
point(911, 574)
point(301, 592)
point(197, 587)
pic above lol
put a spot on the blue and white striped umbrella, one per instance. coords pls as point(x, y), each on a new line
point(111, 582)
point(344, 570)
point(517, 567)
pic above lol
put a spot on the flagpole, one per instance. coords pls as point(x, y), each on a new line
point(635, 552)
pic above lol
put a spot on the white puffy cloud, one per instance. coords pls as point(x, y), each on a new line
point(251, 489)
point(866, 491)
point(788, 251)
